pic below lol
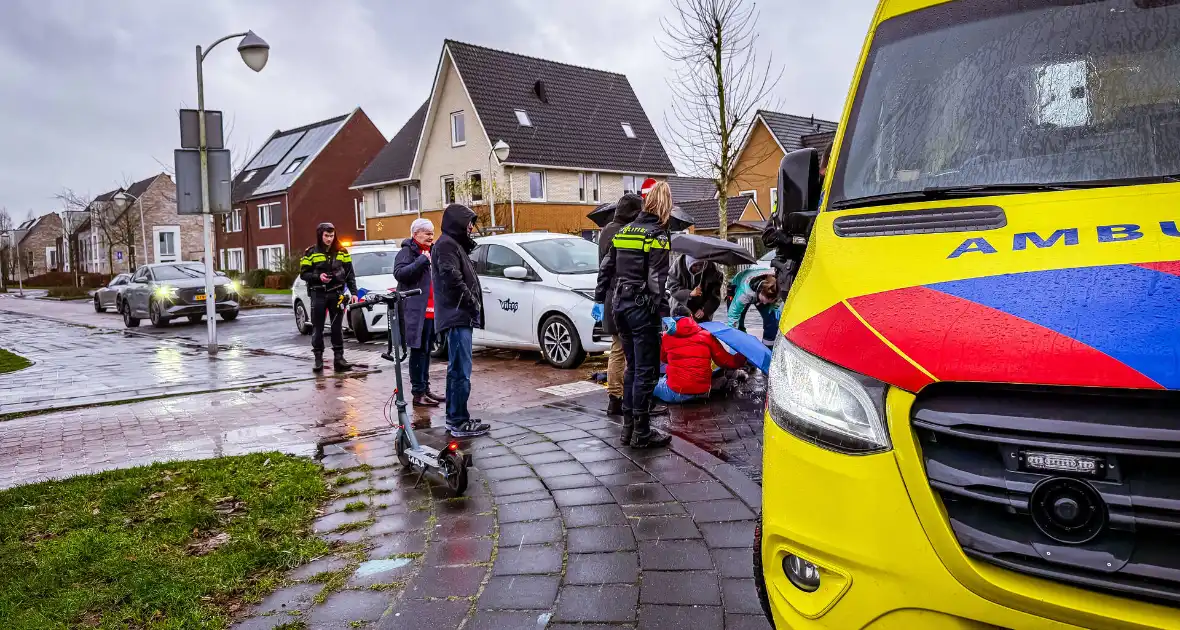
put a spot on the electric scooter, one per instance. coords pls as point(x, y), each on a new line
point(448, 466)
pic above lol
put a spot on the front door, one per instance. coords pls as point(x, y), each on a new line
point(508, 303)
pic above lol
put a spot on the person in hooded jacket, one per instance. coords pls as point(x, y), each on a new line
point(458, 310)
point(411, 269)
point(626, 211)
point(696, 285)
point(690, 352)
point(326, 267)
point(636, 268)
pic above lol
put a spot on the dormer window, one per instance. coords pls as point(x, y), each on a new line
point(522, 117)
point(249, 175)
point(294, 166)
point(627, 130)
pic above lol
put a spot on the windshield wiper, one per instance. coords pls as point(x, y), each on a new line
point(948, 192)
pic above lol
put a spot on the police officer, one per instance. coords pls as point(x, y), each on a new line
point(636, 267)
point(326, 267)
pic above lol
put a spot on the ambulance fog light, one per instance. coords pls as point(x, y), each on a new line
point(803, 574)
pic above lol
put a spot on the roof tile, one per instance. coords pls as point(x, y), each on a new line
point(393, 163)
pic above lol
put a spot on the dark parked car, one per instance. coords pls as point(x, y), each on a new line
point(165, 291)
point(108, 296)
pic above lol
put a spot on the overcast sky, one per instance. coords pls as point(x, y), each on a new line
point(89, 90)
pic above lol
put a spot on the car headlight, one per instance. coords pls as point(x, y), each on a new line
point(825, 404)
point(586, 293)
point(166, 292)
point(234, 287)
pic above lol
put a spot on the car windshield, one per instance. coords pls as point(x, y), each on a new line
point(564, 255)
point(178, 272)
point(373, 263)
point(982, 93)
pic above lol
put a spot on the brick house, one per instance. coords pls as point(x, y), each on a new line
point(577, 137)
point(771, 136)
point(42, 246)
point(136, 225)
point(299, 179)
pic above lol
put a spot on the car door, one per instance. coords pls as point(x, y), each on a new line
point(140, 290)
point(118, 285)
point(508, 303)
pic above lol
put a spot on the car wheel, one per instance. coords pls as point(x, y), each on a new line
point(156, 314)
point(229, 316)
point(98, 307)
point(302, 321)
point(560, 343)
point(128, 320)
point(438, 346)
point(360, 328)
point(195, 319)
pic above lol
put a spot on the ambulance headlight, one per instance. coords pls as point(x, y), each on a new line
point(824, 404)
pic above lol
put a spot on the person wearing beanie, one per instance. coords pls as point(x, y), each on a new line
point(326, 267)
point(458, 310)
point(411, 269)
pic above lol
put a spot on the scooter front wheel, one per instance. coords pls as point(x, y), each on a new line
point(403, 445)
point(454, 470)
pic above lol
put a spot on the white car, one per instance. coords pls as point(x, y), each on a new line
point(372, 261)
point(538, 290)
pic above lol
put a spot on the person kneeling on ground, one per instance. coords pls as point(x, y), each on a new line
point(690, 352)
point(458, 309)
point(756, 287)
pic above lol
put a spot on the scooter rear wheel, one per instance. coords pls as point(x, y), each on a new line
point(455, 472)
point(403, 444)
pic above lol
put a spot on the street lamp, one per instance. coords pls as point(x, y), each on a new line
point(500, 150)
point(255, 52)
point(124, 200)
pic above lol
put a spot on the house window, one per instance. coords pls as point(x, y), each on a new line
point(270, 257)
point(236, 259)
point(753, 194)
point(537, 185)
point(233, 221)
point(51, 258)
point(627, 130)
point(588, 187)
point(380, 194)
point(294, 165)
point(410, 198)
point(270, 215)
point(249, 176)
point(522, 117)
point(458, 131)
point(475, 184)
point(773, 200)
point(448, 189)
point(633, 183)
point(167, 238)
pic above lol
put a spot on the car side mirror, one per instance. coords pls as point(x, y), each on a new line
point(516, 273)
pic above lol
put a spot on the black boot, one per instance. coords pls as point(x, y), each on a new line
point(614, 406)
point(658, 408)
point(628, 429)
point(338, 362)
point(319, 362)
point(647, 437)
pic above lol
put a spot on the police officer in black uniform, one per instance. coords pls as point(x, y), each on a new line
point(636, 267)
point(326, 267)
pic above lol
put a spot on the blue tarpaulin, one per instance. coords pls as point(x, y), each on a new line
point(748, 345)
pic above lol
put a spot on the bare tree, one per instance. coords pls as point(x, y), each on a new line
point(717, 88)
point(5, 245)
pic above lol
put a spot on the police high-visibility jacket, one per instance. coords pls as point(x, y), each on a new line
point(636, 266)
point(334, 261)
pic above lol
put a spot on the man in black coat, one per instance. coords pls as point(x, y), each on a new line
point(411, 269)
point(626, 210)
point(326, 268)
point(458, 310)
point(696, 285)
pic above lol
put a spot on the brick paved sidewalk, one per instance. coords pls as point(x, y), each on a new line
point(559, 527)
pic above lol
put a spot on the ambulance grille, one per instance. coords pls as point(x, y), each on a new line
point(1080, 486)
point(937, 221)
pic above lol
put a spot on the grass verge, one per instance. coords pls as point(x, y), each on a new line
point(10, 362)
point(176, 545)
point(272, 291)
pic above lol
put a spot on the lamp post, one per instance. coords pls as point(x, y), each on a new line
point(125, 199)
point(500, 150)
point(255, 52)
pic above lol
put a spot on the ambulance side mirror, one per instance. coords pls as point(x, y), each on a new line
point(799, 183)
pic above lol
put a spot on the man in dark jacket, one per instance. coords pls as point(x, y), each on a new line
point(696, 285)
point(326, 267)
point(411, 269)
point(626, 210)
point(458, 310)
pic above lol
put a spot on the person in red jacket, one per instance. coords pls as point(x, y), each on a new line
point(690, 352)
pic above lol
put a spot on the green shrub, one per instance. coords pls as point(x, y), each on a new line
point(247, 297)
point(256, 278)
point(68, 293)
point(67, 279)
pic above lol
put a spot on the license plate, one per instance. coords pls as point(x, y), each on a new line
point(200, 297)
point(1059, 462)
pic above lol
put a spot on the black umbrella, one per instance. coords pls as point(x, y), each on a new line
point(680, 220)
point(711, 249)
point(602, 214)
